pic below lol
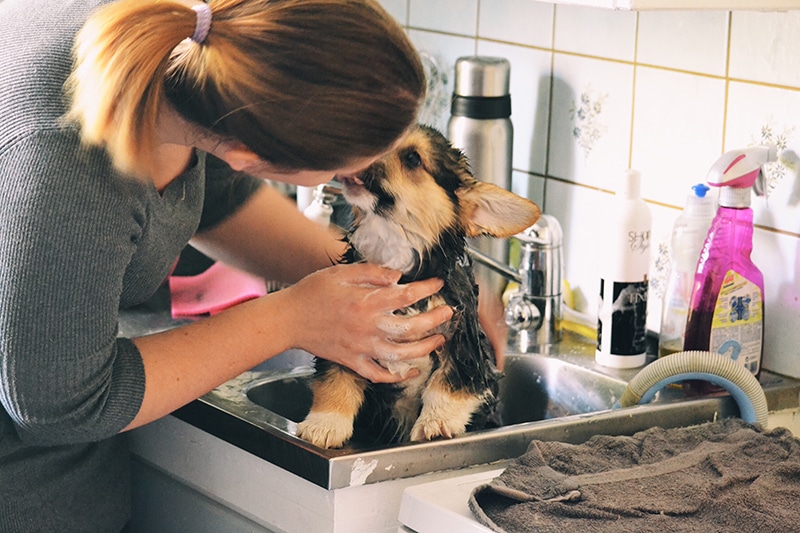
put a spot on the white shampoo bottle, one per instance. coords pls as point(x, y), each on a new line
point(624, 278)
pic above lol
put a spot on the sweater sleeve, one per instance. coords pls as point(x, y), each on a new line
point(68, 233)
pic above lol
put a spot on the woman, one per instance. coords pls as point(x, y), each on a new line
point(121, 140)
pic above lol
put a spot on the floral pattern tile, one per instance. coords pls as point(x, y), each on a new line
point(586, 114)
point(440, 52)
point(597, 91)
point(759, 114)
point(438, 73)
point(590, 120)
point(781, 137)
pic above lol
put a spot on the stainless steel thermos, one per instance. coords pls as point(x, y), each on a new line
point(480, 125)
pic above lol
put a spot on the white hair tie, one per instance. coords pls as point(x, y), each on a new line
point(203, 25)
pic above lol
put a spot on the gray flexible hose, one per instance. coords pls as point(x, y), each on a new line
point(705, 366)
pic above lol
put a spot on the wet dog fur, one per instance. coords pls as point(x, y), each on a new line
point(413, 211)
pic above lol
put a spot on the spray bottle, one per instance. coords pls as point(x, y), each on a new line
point(688, 234)
point(320, 210)
point(726, 311)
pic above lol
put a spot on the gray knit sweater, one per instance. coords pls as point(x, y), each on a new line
point(78, 241)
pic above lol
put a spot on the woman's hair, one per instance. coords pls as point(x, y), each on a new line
point(305, 84)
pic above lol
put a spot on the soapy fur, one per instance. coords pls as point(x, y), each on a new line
point(413, 211)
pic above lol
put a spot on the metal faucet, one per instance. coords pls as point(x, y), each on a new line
point(533, 314)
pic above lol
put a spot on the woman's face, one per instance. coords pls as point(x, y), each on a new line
point(305, 178)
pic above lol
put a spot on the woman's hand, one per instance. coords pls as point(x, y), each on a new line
point(345, 314)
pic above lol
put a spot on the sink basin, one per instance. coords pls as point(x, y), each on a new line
point(285, 394)
point(563, 396)
point(534, 388)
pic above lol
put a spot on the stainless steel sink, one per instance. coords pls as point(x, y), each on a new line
point(534, 388)
point(563, 396)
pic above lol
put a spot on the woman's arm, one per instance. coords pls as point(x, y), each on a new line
point(341, 313)
point(268, 236)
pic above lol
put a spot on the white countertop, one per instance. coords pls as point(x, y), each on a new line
point(442, 505)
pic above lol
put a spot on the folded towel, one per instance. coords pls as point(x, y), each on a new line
point(219, 287)
point(720, 476)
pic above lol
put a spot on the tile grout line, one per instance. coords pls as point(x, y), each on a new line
point(727, 83)
point(553, 50)
point(633, 90)
point(550, 89)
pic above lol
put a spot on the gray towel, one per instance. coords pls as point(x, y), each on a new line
point(720, 476)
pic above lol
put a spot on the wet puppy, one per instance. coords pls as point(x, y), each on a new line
point(413, 211)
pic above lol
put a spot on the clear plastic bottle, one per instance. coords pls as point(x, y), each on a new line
point(625, 266)
point(320, 209)
point(726, 313)
point(688, 233)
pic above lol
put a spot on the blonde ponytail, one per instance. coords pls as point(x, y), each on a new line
point(305, 84)
point(116, 87)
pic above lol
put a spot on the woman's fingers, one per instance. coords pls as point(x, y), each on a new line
point(376, 368)
point(409, 293)
point(406, 328)
point(352, 309)
point(374, 371)
point(390, 352)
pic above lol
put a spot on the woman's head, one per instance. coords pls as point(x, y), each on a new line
point(304, 84)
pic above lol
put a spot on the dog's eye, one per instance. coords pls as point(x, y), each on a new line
point(411, 159)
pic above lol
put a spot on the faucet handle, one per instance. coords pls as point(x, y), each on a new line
point(534, 313)
point(540, 259)
point(545, 232)
point(522, 313)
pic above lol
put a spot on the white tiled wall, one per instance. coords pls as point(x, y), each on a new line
point(597, 91)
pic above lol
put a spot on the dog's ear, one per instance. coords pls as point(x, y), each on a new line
point(487, 209)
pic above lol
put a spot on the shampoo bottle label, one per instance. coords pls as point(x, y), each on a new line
point(737, 325)
point(622, 317)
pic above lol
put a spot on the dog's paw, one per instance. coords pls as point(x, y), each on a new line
point(326, 430)
point(429, 428)
point(444, 414)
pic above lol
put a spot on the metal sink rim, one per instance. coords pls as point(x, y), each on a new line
point(274, 439)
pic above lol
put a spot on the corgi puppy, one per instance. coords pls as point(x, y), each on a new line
point(413, 211)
